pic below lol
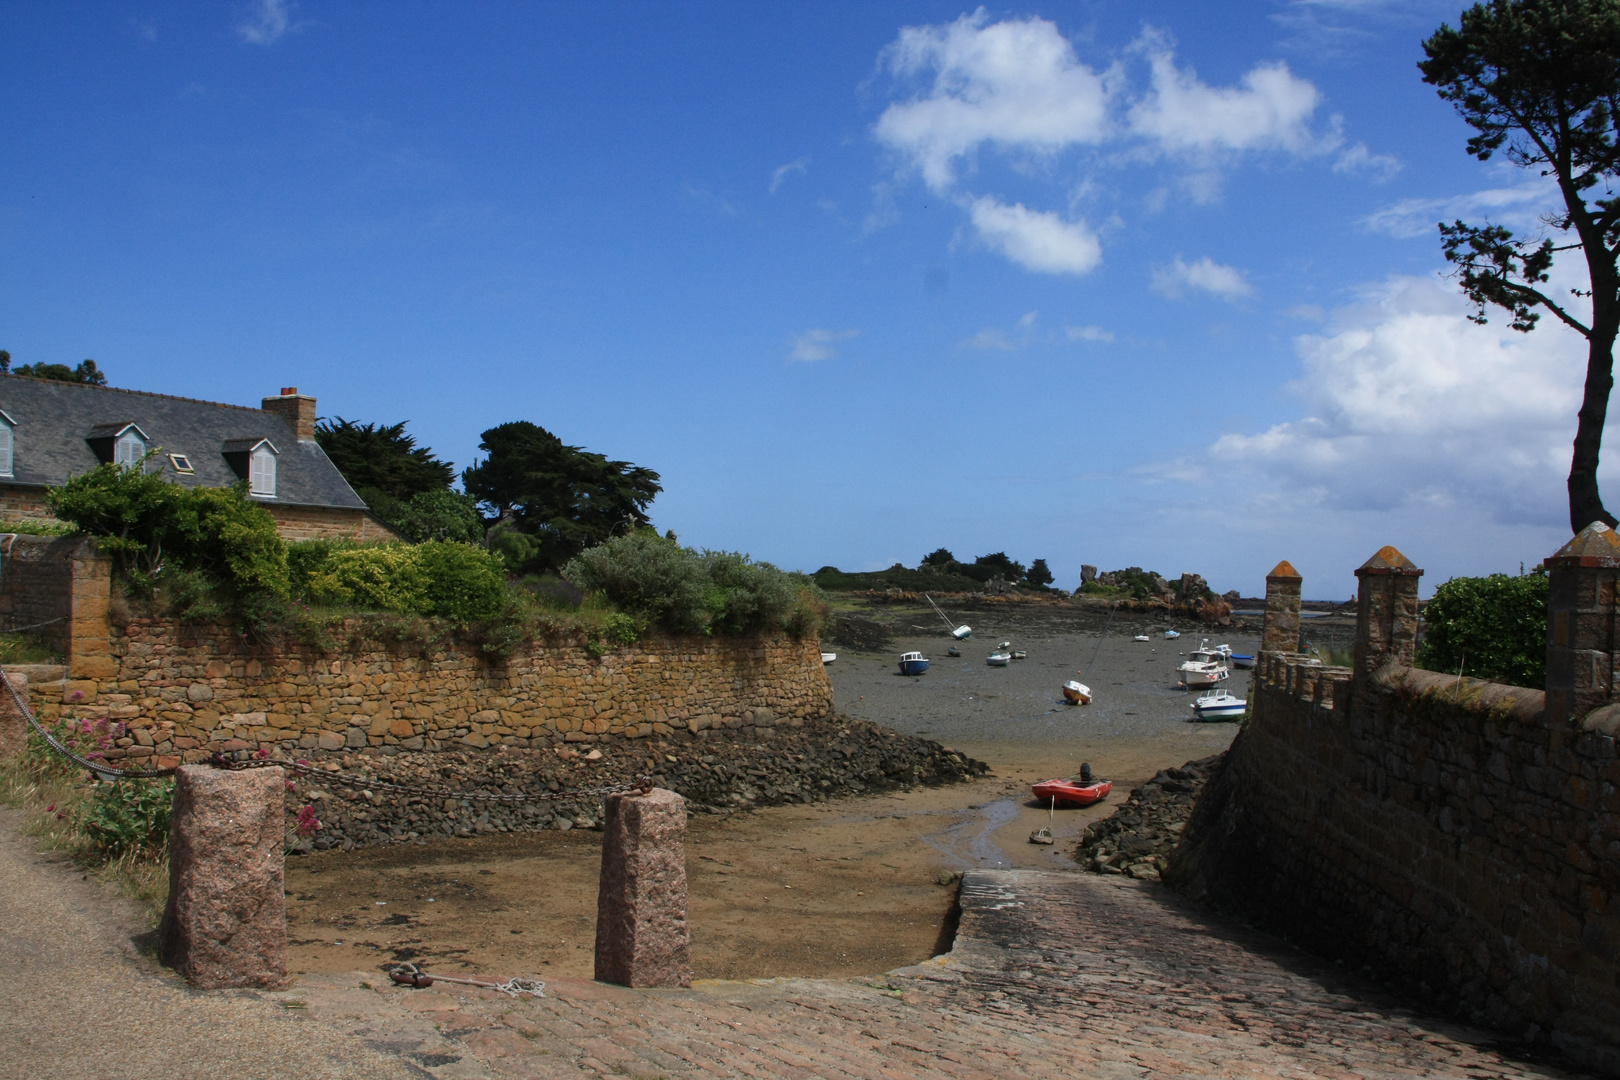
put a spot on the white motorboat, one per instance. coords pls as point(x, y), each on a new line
point(998, 659)
point(1020, 654)
point(1004, 646)
point(1204, 666)
point(1171, 635)
point(1140, 637)
point(828, 657)
point(1076, 693)
point(1218, 705)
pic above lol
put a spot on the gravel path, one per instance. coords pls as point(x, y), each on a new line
point(78, 1002)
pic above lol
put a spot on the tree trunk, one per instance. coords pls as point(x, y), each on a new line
point(1585, 503)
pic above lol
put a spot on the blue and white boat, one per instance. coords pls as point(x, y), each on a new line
point(1171, 635)
point(1219, 705)
point(913, 663)
point(1241, 661)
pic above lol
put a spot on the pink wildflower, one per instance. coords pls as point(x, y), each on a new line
point(307, 823)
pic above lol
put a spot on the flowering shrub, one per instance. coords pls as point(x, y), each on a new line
point(128, 816)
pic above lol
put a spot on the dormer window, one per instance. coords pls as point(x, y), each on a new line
point(182, 464)
point(121, 444)
point(254, 460)
point(262, 471)
point(7, 443)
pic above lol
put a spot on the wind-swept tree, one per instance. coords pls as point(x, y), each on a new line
point(1539, 81)
point(563, 497)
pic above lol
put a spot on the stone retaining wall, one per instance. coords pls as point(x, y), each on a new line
point(183, 691)
point(1450, 835)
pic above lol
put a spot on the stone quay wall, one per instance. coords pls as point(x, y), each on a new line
point(183, 691)
point(1454, 836)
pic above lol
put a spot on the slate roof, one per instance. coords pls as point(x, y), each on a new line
point(53, 420)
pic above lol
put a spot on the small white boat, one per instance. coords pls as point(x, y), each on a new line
point(1171, 635)
point(1020, 654)
point(998, 659)
point(1004, 646)
point(962, 633)
point(1140, 637)
point(1219, 705)
point(913, 663)
point(1076, 693)
point(828, 657)
point(1239, 660)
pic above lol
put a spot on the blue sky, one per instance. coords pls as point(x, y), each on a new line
point(1117, 283)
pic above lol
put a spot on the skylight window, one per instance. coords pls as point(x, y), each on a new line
point(182, 464)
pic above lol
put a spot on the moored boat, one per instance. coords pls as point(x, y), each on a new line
point(1205, 666)
point(1076, 693)
point(1073, 792)
point(1171, 635)
point(1219, 705)
point(998, 659)
point(828, 657)
point(1140, 637)
point(1239, 660)
point(913, 663)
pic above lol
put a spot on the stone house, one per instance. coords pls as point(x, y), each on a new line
point(51, 431)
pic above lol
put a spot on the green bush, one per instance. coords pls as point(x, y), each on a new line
point(442, 578)
point(687, 591)
point(1491, 627)
point(128, 816)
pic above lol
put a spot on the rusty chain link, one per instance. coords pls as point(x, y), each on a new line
point(235, 763)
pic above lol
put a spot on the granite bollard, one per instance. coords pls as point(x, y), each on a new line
point(641, 934)
point(226, 920)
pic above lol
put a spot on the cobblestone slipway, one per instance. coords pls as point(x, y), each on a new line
point(1053, 975)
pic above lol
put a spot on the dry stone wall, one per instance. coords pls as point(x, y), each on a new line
point(183, 691)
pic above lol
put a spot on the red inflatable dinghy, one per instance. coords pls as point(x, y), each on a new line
point(1073, 792)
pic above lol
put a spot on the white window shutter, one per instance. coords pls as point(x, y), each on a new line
point(5, 450)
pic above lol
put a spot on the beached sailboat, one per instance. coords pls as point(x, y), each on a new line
point(960, 633)
point(913, 663)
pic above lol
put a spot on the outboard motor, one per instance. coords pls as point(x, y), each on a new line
point(1085, 772)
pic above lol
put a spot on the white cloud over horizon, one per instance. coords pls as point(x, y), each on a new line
point(1205, 275)
point(1518, 206)
point(1016, 86)
point(819, 344)
point(268, 21)
point(1034, 239)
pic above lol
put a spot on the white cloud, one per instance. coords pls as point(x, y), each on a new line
point(269, 21)
point(1518, 206)
point(1016, 84)
point(1358, 159)
point(782, 171)
point(1409, 404)
point(1206, 275)
point(1087, 333)
point(1270, 109)
point(815, 345)
point(990, 340)
point(1035, 239)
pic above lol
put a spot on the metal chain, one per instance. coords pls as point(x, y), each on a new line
point(99, 767)
point(411, 975)
point(228, 761)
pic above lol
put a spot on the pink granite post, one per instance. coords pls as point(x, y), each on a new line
point(641, 933)
point(226, 923)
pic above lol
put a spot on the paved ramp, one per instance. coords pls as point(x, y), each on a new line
point(1053, 975)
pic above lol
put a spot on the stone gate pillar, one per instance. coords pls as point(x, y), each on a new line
point(1386, 611)
point(226, 921)
point(1280, 630)
point(641, 933)
point(1581, 622)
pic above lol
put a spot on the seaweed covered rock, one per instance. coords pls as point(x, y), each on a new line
point(717, 771)
point(1138, 838)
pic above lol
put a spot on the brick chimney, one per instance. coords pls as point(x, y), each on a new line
point(299, 410)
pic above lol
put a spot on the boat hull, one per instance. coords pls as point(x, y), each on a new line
point(1076, 693)
point(1241, 661)
point(913, 667)
point(1070, 793)
point(998, 659)
point(1196, 678)
point(1221, 712)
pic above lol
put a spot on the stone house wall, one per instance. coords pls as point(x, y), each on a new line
point(1451, 835)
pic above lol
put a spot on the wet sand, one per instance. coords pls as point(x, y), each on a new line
point(851, 887)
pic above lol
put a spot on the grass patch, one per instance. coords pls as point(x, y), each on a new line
point(27, 648)
point(115, 830)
